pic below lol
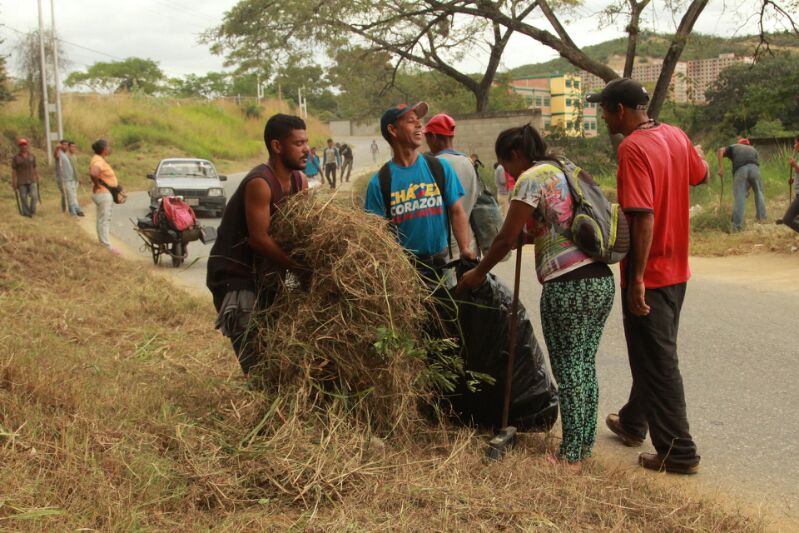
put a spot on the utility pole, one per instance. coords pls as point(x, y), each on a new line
point(59, 121)
point(45, 99)
point(302, 102)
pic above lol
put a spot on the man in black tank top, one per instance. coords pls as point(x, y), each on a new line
point(243, 246)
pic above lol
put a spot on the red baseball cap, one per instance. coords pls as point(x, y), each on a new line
point(441, 124)
point(744, 140)
point(22, 141)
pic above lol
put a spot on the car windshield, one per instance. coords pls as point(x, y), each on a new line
point(200, 169)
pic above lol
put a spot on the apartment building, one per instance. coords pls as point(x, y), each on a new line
point(561, 99)
point(690, 81)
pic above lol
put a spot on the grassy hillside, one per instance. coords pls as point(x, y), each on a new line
point(143, 130)
point(121, 409)
point(656, 45)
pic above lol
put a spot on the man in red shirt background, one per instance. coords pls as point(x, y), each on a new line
point(656, 165)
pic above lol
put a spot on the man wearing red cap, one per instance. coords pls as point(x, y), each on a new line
point(420, 194)
point(25, 179)
point(745, 174)
point(439, 134)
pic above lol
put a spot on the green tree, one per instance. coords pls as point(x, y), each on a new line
point(29, 63)
point(5, 92)
point(130, 75)
point(259, 34)
point(741, 99)
point(211, 85)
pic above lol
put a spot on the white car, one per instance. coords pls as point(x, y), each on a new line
point(196, 180)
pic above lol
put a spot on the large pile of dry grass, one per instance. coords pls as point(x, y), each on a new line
point(141, 421)
point(351, 328)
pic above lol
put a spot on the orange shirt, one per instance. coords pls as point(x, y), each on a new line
point(99, 168)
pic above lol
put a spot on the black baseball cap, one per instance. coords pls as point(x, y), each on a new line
point(624, 91)
point(391, 115)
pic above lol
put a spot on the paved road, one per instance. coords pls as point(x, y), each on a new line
point(738, 352)
point(739, 358)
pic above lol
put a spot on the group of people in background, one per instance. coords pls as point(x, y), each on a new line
point(336, 160)
point(25, 180)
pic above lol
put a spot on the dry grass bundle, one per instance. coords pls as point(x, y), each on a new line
point(351, 330)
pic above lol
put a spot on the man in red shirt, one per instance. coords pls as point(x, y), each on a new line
point(657, 163)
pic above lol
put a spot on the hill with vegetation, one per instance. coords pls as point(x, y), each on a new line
point(655, 45)
point(144, 129)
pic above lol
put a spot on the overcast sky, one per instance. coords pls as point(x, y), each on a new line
point(167, 30)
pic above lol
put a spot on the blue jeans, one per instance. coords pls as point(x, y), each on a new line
point(744, 177)
point(28, 195)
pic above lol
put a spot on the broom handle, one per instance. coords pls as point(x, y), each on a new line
point(514, 313)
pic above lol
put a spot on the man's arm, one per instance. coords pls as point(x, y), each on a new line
point(257, 198)
point(460, 228)
point(13, 176)
point(720, 154)
point(641, 228)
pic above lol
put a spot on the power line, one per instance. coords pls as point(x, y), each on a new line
point(76, 45)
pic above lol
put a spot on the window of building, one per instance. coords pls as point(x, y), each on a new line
point(568, 101)
point(546, 125)
point(587, 125)
point(546, 100)
point(568, 83)
point(593, 126)
point(529, 100)
point(538, 101)
point(569, 125)
point(576, 84)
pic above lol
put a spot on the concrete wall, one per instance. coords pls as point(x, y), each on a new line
point(340, 128)
point(474, 133)
point(477, 132)
point(366, 129)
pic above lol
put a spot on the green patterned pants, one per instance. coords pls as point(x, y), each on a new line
point(573, 315)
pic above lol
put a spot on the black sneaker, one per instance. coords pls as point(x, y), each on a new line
point(80, 214)
point(779, 221)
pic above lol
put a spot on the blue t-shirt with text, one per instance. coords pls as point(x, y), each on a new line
point(416, 205)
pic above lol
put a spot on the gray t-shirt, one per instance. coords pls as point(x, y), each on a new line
point(501, 181)
point(67, 167)
point(464, 169)
point(740, 155)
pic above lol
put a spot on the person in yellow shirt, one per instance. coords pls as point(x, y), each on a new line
point(102, 173)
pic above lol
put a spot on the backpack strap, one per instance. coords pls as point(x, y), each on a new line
point(437, 169)
point(384, 177)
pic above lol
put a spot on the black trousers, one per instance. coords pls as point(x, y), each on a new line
point(791, 216)
point(346, 169)
point(657, 397)
point(330, 174)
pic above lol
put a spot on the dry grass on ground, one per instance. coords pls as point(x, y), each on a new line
point(121, 409)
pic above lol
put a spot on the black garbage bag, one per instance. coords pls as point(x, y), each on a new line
point(484, 318)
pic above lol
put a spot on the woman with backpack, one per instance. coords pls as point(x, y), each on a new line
point(577, 292)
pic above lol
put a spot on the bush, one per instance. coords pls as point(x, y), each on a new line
point(251, 110)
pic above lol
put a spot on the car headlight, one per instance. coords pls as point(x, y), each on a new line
point(166, 191)
point(216, 192)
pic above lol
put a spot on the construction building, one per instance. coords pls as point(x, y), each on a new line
point(561, 99)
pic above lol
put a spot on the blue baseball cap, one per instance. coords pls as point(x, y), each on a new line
point(393, 114)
